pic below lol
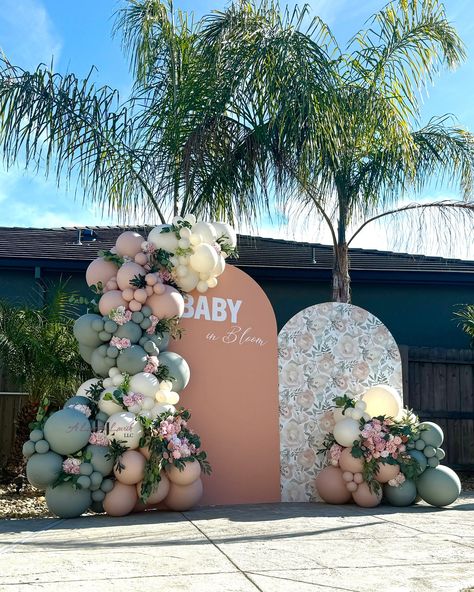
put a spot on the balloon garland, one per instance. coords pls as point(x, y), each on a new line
point(120, 443)
point(377, 450)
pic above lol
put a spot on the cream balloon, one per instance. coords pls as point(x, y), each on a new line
point(346, 431)
point(204, 258)
point(85, 386)
point(338, 414)
point(145, 383)
point(219, 267)
point(188, 282)
point(227, 232)
point(163, 240)
point(109, 406)
point(382, 400)
point(124, 427)
point(206, 231)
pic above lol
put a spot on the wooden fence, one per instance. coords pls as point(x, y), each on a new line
point(439, 386)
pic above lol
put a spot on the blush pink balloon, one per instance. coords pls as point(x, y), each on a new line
point(100, 270)
point(127, 294)
point(166, 305)
point(365, 498)
point(151, 279)
point(121, 500)
point(134, 305)
point(133, 468)
point(348, 463)
point(110, 300)
point(140, 295)
point(351, 486)
point(149, 290)
point(129, 243)
point(159, 492)
point(127, 272)
point(386, 472)
point(332, 487)
point(159, 288)
point(184, 497)
point(191, 472)
point(141, 259)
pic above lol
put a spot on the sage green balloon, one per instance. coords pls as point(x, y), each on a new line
point(429, 451)
point(410, 445)
point(403, 495)
point(101, 363)
point(113, 352)
point(43, 470)
point(432, 434)
point(161, 340)
point(420, 458)
point(29, 448)
point(440, 454)
point(107, 485)
point(433, 461)
point(439, 486)
point(84, 481)
point(67, 431)
point(36, 435)
point(42, 446)
point(130, 331)
point(420, 444)
point(96, 480)
point(84, 331)
point(98, 325)
point(178, 369)
point(132, 360)
point(105, 336)
point(146, 311)
point(99, 461)
point(101, 416)
point(145, 324)
point(98, 495)
point(137, 317)
point(67, 502)
point(151, 348)
point(77, 400)
point(86, 468)
point(86, 352)
point(110, 326)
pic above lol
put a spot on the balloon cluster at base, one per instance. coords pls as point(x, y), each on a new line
point(121, 443)
point(379, 451)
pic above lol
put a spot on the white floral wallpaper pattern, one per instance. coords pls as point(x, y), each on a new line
point(325, 351)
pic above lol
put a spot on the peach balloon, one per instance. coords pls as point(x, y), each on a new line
point(358, 478)
point(166, 305)
point(351, 486)
point(145, 451)
point(127, 294)
point(100, 270)
point(159, 288)
point(160, 491)
point(140, 295)
point(129, 243)
point(141, 259)
point(191, 472)
point(149, 290)
point(134, 306)
point(348, 463)
point(365, 498)
point(121, 500)
point(386, 472)
point(133, 468)
point(332, 487)
point(184, 497)
point(151, 279)
point(110, 300)
point(139, 507)
point(127, 272)
point(348, 476)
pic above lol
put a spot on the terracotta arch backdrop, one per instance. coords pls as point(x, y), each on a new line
point(326, 350)
point(231, 347)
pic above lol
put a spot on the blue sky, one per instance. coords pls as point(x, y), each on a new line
point(77, 35)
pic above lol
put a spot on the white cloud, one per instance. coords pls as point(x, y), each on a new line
point(27, 33)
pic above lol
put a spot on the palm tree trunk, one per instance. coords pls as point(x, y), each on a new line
point(341, 281)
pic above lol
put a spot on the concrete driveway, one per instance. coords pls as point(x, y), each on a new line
point(271, 548)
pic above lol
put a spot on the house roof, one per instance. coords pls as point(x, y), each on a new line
point(38, 245)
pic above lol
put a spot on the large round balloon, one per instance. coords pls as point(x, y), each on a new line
point(84, 331)
point(178, 369)
point(204, 258)
point(159, 492)
point(184, 497)
point(130, 468)
point(366, 497)
point(110, 300)
point(167, 305)
point(100, 460)
point(382, 400)
point(226, 232)
point(145, 383)
point(100, 362)
point(130, 331)
point(43, 470)
point(346, 431)
point(332, 487)
point(348, 463)
point(67, 502)
point(67, 431)
point(167, 241)
point(191, 472)
point(432, 434)
point(132, 360)
point(100, 270)
point(439, 486)
point(86, 386)
point(403, 495)
point(129, 243)
point(386, 472)
point(124, 427)
point(420, 459)
point(127, 273)
point(121, 500)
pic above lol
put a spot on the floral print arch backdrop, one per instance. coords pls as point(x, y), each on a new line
point(325, 351)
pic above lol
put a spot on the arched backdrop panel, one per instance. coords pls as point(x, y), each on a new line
point(325, 351)
point(231, 347)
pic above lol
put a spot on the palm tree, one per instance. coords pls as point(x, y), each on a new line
point(341, 133)
point(39, 354)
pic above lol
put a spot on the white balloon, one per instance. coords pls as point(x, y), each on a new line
point(114, 372)
point(162, 408)
point(108, 382)
point(118, 379)
point(206, 231)
point(212, 282)
point(135, 408)
point(160, 396)
point(172, 398)
point(204, 276)
point(185, 233)
point(366, 416)
point(195, 239)
point(163, 240)
point(346, 431)
point(109, 406)
point(356, 414)
point(382, 400)
point(189, 282)
point(146, 413)
point(227, 232)
point(148, 403)
point(202, 287)
point(145, 383)
point(85, 386)
point(348, 412)
point(191, 218)
point(183, 260)
point(362, 405)
point(184, 243)
point(219, 267)
point(166, 385)
point(182, 271)
point(203, 259)
point(124, 427)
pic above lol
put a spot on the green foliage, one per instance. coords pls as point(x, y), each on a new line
point(345, 402)
point(38, 349)
point(138, 281)
point(466, 320)
point(171, 326)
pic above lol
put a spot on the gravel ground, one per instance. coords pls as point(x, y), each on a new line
point(30, 502)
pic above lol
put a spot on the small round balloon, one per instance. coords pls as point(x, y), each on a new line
point(348, 463)
point(332, 487)
point(431, 434)
point(346, 431)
